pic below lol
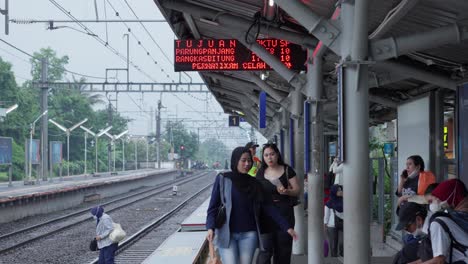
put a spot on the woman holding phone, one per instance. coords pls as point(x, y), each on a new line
point(414, 179)
point(280, 182)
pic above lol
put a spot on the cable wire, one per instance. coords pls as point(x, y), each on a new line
point(35, 58)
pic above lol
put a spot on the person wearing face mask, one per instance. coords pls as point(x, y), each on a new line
point(414, 180)
point(448, 231)
point(104, 226)
point(411, 219)
point(238, 237)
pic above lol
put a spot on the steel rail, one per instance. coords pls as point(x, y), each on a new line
point(156, 191)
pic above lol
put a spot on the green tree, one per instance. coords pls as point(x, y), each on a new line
point(212, 150)
point(178, 135)
point(56, 65)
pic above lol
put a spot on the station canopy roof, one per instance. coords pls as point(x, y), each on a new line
point(415, 67)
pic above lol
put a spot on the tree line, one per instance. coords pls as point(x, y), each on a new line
point(69, 106)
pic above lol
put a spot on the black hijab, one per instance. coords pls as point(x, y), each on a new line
point(335, 202)
point(243, 182)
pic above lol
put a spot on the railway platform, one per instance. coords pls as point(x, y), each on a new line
point(21, 200)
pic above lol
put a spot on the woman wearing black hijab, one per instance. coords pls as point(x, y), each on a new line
point(237, 238)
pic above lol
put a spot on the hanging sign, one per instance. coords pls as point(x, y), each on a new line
point(231, 55)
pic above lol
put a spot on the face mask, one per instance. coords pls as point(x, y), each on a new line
point(94, 217)
point(435, 207)
point(414, 173)
point(418, 232)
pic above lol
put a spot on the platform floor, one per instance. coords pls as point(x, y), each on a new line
point(375, 260)
point(19, 189)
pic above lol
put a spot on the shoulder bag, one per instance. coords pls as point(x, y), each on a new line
point(117, 234)
point(93, 245)
point(221, 214)
point(293, 199)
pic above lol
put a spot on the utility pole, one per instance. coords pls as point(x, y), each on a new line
point(45, 118)
point(158, 134)
point(128, 60)
point(109, 146)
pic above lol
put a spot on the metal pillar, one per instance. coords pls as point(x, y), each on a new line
point(113, 150)
point(123, 154)
point(136, 155)
point(68, 153)
point(45, 118)
point(315, 232)
point(298, 154)
point(96, 170)
point(85, 152)
point(158, 134)
point(437, 160)
point(356, 133)
point(147, 153)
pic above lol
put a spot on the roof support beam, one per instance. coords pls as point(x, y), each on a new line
point(377, 79)
point(192, 25)
point(242, 96)
point(383, 101)
point(267, 88)
point(419, 74)
point(323, 29)
point(259, 84)
point(237, 23)
point(392, 47)
point(290, 76)
point(225, 78)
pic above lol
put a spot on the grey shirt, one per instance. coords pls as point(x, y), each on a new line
point(103, 229)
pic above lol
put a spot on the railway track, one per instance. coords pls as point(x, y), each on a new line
point(139, 246)
point(45, 229)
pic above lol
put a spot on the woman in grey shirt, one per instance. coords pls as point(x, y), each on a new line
point(104, 226)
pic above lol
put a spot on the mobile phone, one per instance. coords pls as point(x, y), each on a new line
point(405, 174)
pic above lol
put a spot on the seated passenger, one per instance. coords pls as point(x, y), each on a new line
point(411, 219)
point(414, 180)
point(448, 232)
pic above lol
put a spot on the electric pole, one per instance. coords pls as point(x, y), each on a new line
point(45, 118)
point(109, 145)
point(158, 134)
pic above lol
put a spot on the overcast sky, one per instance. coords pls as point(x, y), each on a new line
point(88, 56)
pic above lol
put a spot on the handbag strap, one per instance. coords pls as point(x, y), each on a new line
point(221, 189)
point(286, 170)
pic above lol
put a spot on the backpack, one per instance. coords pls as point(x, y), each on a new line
point(425, 248)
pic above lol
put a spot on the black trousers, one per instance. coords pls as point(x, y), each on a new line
point(335, 240)
point(278, 245)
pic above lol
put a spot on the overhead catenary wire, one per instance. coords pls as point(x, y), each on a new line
point(151, 36)
point(96, 37)
point(35, 58)
point(132, 33)
point(139, 43)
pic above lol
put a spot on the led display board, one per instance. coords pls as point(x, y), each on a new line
point(231, 55)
